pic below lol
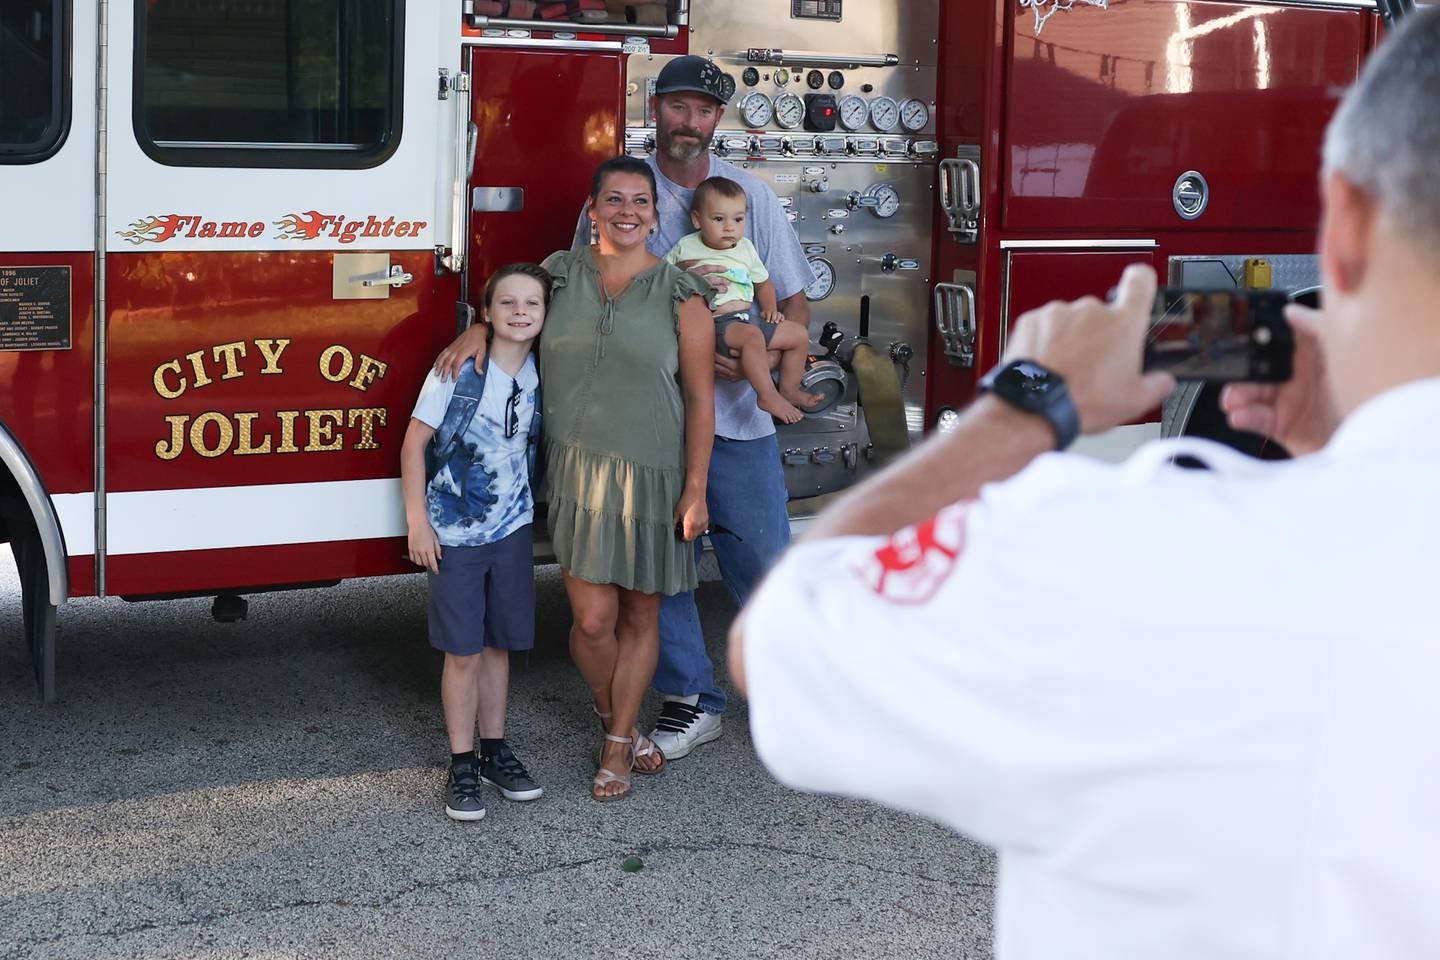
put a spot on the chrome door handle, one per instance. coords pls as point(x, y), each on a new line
point(969, 181)
point(466, 142)
point(398, 278)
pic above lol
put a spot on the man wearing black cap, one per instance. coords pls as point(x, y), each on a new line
point(746, 486)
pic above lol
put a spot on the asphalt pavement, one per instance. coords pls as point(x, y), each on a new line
point(272, 789)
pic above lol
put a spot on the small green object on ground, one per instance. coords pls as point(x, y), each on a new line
point(632, 865)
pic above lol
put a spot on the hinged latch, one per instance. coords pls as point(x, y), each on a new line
point(960, 193)
point(955, 318)
point(460, 82)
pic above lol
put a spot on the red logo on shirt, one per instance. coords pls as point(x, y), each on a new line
point(913, 563)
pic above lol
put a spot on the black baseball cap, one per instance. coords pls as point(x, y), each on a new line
point(695, 74)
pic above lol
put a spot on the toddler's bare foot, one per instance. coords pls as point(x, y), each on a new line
point(801, 399)
point(781, 410)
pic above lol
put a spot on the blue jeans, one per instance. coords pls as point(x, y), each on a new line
point(746, 494)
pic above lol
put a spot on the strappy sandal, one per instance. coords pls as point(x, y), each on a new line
point(604, 777)
point(644, 746)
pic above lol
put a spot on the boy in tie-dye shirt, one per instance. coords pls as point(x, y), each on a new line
point(466, 469)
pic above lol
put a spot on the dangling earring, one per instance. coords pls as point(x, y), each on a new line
point(594, 231)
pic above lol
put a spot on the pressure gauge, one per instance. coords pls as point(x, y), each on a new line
point(789, 111)
point(756, 111)
point(884, 114)
point(914, 115)
point(887, 200)
point(824, 283)
point(853, 112)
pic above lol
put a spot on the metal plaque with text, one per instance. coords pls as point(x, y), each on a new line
point(34, 308)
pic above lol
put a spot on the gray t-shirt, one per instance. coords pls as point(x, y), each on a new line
point(767, 226)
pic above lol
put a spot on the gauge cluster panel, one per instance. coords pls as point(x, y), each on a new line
point(867, 99)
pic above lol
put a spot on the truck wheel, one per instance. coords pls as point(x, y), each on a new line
point(38, 611)
point(1208, 420)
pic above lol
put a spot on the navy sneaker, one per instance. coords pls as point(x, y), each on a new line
point(462, 792)
point(504, 770)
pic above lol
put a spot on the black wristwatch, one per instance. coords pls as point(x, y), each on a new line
point(1031, 388)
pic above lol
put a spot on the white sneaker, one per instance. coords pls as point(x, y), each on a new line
point(683, 726)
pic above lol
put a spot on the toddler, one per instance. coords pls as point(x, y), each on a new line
point(718, 214)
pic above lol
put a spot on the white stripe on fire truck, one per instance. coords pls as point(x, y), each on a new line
point(217, 518)
point(76, 513)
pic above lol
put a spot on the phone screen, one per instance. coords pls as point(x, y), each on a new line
point(1219, 335)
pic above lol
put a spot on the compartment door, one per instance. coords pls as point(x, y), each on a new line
point(279, 182)
point(1107, 108)
point(47, 257)
point(1033, 278)
point(544, 120)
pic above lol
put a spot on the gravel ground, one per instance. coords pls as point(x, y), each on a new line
point(271, 789)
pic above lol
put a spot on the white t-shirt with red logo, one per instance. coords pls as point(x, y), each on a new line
point(1196, 712)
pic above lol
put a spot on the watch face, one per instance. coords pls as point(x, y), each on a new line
point(1032, 388)
point(1031, 378)
point(1026, 385)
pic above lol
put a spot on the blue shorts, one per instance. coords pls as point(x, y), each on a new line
point(484, 596)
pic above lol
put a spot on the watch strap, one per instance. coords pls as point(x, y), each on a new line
point(1064, 418)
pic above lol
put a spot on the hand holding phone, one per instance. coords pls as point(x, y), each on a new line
point(1301, 412)
point(1221, 335)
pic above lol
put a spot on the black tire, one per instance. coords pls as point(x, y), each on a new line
point(1207, 420)
point(38, 615)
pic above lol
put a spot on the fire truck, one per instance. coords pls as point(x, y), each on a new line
point(237, 232)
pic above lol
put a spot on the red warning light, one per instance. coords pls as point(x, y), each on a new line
point(829, 112)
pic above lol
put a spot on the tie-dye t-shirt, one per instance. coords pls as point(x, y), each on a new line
point(482, 494)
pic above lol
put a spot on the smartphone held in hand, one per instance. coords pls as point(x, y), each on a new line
point(1221, 335)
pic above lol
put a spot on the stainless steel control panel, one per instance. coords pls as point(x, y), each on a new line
point(859, 183)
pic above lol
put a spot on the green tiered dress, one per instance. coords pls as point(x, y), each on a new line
point(614, 434)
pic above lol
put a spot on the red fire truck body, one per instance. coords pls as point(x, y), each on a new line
point(237, 232)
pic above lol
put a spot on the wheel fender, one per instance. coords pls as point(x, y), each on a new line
point(47, 522)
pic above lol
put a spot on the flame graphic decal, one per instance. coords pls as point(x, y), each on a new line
point(1045, 9)
point(307, 226)
point(152, 229)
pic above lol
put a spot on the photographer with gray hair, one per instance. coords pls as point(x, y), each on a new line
point(1194, 711)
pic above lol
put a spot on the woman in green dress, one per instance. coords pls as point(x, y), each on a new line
point(627, 361)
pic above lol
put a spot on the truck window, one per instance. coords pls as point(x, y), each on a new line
point(34, 79)
point(268, 83)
